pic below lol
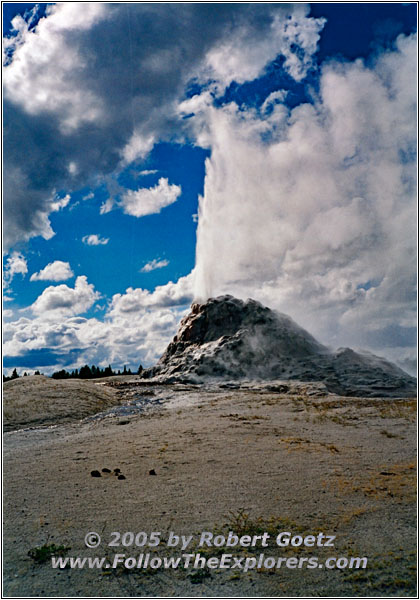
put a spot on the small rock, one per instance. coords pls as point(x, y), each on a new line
point(152, 472)
point(126, 422)
point(95, 474)
point(116, 471)
point(105, 470)
point(121, 476)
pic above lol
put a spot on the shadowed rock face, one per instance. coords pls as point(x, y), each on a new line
point(229, 339)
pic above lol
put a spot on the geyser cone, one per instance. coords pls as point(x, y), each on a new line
point(228, 339)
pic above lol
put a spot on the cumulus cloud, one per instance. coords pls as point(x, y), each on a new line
point(96, 111)
point(61, 300)
point(59, 203)
point(136, 329)
point(272, 99)
point(55, 271)
point(149, 201)
point(74, 341)
point(35, 50)
point(154, 264)
point(243, 55)
point(137, 147)
point(313, 210)
point(171, 294)
point(94, 240)
point(15, 264)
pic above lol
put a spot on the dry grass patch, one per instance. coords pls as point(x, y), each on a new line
point(399, 409)
point(351, 411)
point(391, 481)
point(245, 418)
point(297, 443)
point(390, 575)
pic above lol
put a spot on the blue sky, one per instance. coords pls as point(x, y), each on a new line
point(120, 119)
point(133, 242)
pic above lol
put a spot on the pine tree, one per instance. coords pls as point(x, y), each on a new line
point(85, 372)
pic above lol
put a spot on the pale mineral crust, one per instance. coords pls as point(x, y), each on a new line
point(231, 339)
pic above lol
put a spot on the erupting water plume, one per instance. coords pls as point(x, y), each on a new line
point(312, 210)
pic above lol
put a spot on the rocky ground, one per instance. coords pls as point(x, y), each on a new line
point(269, 457)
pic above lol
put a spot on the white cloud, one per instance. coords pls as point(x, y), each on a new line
point(243, 55)
point(41, 75)
point(132, 340)
point(149, 201)
point(15, 264)
point(94, 240)
point(313, 210)
point(72, 168)
point(276, 97)
point(137, 327)
point(106, 206)
point(61, 300)
point(148, 172)
point(170, 294)
point(138, 146)
point(60, 203)
point(154, 264)
point(55, 271)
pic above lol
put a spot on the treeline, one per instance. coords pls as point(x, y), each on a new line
point(92, 372)
point(85, 372)
point(15, 375)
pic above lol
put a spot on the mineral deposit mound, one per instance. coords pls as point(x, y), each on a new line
point(232, 340)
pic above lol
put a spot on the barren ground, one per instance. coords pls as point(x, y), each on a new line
point(225, 459)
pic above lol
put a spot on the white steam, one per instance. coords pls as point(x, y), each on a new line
point(313, 210)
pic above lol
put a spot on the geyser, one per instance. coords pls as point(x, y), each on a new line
point(229, 339)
